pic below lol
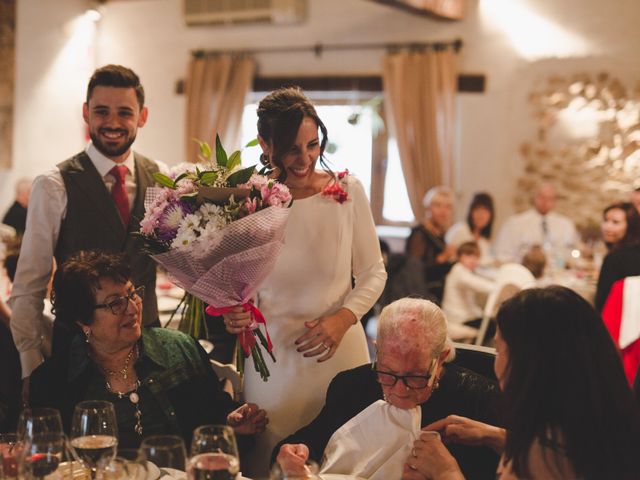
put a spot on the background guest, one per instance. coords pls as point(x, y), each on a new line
point(464, 288)
point(328, 274)
point(621, 234)
point(535, 261)
point(92, 200)
point(557, 366)
point(476, 228)
point(411, 372)
point(539, 225)
point(112, 356)
point(426, 241)
point(634, 198)
point(16, 216)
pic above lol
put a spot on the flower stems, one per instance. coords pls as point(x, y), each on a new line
point(192, 321)
point(256, 354)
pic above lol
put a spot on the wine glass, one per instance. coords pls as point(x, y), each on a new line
point(35, 421)
point(214, 453)
point(128, 465)
point(94, 434)
point(164, 451)
point(42, 454)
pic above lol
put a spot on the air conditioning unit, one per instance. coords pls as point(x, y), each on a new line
point(208, 12)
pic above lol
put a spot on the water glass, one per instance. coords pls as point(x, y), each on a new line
point(164, 451)
point(214, 453)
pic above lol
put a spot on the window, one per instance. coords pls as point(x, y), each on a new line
point(356, 143)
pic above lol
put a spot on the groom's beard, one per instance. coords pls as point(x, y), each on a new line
point(111, 151)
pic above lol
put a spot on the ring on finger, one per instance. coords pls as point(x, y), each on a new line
point(413, 452)
point(325, 346)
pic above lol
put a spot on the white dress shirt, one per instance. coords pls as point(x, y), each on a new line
point(461, 289)
point(47, 209)
point(522, 231)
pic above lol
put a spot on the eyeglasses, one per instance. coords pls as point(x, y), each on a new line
point(120, 304)
point(415, 382)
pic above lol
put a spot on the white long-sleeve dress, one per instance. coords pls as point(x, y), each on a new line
point(326, 244)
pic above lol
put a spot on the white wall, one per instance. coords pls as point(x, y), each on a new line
point(513, 49)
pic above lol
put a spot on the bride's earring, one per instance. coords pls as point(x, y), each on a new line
point(87, 335)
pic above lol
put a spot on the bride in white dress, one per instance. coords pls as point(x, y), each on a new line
point(312, 311)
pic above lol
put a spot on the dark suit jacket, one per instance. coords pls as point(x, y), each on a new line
point(461, 392)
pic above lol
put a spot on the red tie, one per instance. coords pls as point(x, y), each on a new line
point(119, 193)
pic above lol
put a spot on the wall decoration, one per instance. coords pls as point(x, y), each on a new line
point(7, 75)
point(587, 143)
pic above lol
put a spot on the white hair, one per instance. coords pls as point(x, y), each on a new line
point(439, 191)
point(414, 324)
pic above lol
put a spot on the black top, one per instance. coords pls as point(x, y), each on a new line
point(618, 264)
point(461, 392)
point(16, 217)
point(432, 245)
point(179, 390)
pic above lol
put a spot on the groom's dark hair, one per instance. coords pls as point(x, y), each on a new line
point(116, 76)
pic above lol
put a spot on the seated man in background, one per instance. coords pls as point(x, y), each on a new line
point(373, 412)
point(112, 357)
point(539, 225)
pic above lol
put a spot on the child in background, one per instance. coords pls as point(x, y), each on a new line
point(463, 287)
point(535, 260)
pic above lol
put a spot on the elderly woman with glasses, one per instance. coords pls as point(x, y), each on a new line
point(159, 380)
point(374, 412)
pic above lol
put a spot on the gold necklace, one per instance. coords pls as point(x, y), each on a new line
point(124, 371)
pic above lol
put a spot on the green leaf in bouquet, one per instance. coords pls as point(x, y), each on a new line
point(221, 155)
point(234, 160)
point(208, 178)
point(241, 176)
point(252, 143)
point(163, 180)
point(205, 149)
point(180, 177)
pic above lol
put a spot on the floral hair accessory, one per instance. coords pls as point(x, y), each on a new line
point(336, 189)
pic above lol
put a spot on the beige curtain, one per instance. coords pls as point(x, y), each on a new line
point(216, 91)
point(420, 89)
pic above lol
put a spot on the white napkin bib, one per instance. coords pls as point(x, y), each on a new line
point(375, 444)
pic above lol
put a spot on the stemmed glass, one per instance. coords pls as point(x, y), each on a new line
point(42, 454)
point(36, 421)
point(94, 434)
point(129, 465)
point(164, 451)
point(40, 440)
point(214, 453)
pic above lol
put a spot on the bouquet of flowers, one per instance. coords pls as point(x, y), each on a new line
point(217, 229)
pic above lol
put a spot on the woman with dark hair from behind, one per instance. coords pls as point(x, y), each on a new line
point(621, 234)
point(569, 411)
point(476, 228)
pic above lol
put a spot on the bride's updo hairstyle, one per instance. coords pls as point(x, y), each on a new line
point(279, 117)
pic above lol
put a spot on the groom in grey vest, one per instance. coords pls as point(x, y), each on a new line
point(93, 200)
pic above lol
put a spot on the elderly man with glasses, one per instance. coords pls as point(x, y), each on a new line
point(159, 380)
point(373, 412)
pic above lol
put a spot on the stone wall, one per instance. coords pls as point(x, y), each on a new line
point(587, 143)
